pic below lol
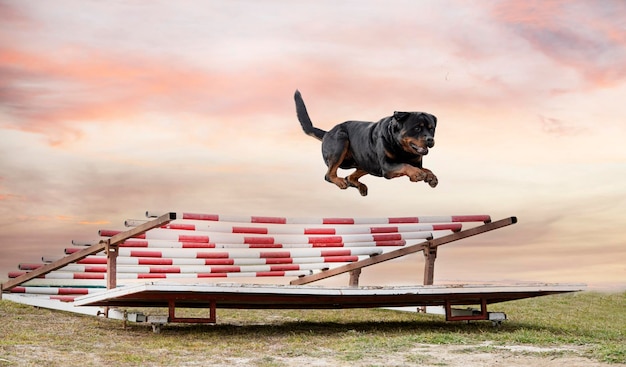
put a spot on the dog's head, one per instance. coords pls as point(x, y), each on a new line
point(415, 131)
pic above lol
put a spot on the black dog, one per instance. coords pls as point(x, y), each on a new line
point(391, 147)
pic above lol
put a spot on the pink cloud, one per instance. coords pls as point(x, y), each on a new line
point(15, 17)
point(54, 94)
point(54, 89)
point(559, 127)
point(583, 36)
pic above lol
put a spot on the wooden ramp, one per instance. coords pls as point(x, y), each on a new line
point(251, 296)
point(192, 248)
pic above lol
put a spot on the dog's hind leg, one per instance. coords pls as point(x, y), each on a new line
point(334, 154)
point(353, 180)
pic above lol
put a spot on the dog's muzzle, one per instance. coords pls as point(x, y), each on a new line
point(421, 146)
point(419, 150)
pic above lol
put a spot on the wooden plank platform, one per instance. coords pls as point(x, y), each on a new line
point(245, 296)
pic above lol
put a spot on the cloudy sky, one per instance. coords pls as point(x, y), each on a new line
point(111, 108)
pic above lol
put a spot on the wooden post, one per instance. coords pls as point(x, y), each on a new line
point(354, 277)
point(430, 254)
point(112, 252)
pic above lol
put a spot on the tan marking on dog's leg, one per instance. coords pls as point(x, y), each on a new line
point(353, 180)
point(415, 174)
point(331, 174)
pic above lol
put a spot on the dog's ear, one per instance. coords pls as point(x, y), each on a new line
point(434, 119)
point(400, 116)
point(429, 117)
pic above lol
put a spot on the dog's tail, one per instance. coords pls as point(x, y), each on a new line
point(305, 120)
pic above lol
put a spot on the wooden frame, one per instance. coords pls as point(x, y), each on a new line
point(172, 296)
point(430, 252)
point(171, 305)
point(110, 245)
point(242, 296)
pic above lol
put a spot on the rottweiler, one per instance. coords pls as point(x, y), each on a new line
point(391, 147)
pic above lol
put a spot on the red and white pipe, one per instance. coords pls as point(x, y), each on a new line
point(334, 221)
point(242, 253)
point(68, 276)
point(302, 230)
point(177, 244)
point(234, 238)
point(192, 269)
point(102, 260)
point(55, 290)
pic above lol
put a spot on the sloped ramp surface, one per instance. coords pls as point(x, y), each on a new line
point(248, 296)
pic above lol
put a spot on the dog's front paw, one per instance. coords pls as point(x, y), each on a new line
point(431, 179)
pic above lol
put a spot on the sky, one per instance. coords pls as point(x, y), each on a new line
point(112, 108)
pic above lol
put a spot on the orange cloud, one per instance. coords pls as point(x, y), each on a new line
point(94, 222)
point(53, 95)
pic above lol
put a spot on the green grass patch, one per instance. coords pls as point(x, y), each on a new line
point(593, 322)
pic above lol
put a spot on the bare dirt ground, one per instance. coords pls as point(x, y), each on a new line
point(425, 355)
point(485, 355)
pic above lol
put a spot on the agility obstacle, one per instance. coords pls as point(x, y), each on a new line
point(170, 248)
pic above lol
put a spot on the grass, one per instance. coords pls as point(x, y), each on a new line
point(593, 323)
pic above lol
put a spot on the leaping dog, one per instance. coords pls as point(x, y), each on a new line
point(389, 148)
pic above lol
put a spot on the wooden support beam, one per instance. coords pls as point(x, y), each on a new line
point(430, 254)
point(483, 315)
point(405, 251)
point(140, 229)
point(212, 319)
point(354, 277)
point(112, 252)
point(93, 249)
point(76, 256)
